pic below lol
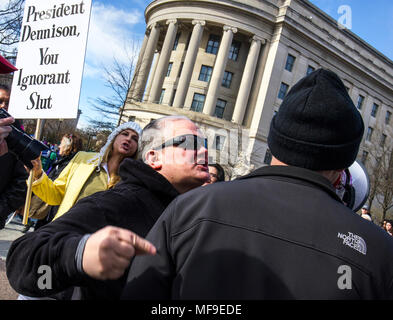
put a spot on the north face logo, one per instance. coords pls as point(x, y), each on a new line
point(353, 241)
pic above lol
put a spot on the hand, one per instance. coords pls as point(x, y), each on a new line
point(4, 127)
point(37, 168)
point(3, 148)
point(108, 252)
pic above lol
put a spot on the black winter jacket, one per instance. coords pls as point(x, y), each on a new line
point(278, 233)
point(13, 186)
point(135, 203)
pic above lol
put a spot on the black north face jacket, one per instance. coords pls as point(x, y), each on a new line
point(278, 233)
point(135, 204)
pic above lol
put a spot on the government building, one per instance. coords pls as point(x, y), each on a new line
point(228, 64)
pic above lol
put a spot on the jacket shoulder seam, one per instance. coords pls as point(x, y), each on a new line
point(280, 237)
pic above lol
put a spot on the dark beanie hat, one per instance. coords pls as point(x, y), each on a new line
point(317, 126)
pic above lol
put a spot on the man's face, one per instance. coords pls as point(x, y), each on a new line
point(185, 168)
point(364, 211)
point(4, 99)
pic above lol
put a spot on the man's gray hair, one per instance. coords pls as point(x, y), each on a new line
point(152, 134)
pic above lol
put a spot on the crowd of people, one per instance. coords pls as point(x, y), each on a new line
point(148, 217)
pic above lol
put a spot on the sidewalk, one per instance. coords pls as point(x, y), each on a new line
point(11, 232)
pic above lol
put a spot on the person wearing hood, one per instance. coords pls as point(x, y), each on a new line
point(87, 172)
point(89, 248)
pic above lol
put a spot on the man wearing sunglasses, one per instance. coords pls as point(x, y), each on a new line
point(177, 149)
point(95, 241)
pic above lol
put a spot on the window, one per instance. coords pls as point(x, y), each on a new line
point(168, 72)
point(176, 41)
point(180, 69)
point(227, 79)
point(369, 133)
point(364, 156)
point(220, 107)
point(198, 102)
point(205, 73)
point(290, 62)
point(268, 157)
point(374, 110)
point(172, 98)
point(131, 118)
point(283, 90)
point(360, 102)
point(383, 140)
point(310, 69)
point(219, 142)
point(161, 96)
point(387, 117)
point(213, 44)
point(234, 50)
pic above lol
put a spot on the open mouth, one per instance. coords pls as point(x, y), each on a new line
point(126, 146)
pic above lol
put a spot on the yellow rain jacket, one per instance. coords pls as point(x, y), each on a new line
point(65, 190)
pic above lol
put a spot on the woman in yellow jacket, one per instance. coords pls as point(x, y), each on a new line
point(87, 172)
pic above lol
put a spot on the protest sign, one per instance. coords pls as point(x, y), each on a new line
point(50, 59)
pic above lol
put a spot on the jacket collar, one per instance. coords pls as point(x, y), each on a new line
point(137, 172)
point(305, 175)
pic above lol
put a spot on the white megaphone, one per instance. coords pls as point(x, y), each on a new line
point(358, 195)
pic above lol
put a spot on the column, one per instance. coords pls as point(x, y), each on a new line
point(146, 62)
point(138, 65)
point(162, 64)
point(189, 63)
point(146, 97)
point(218, 71)
point(247, 78)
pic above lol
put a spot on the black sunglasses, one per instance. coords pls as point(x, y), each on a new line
point(186, 141)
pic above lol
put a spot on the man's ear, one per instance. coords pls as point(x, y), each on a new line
point(153, 159)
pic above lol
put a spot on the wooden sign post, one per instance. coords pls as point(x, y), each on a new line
point(30, 179)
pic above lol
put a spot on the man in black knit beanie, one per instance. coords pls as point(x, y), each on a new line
point(281, 232)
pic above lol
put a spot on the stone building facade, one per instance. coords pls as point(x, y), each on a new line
point(228, 64)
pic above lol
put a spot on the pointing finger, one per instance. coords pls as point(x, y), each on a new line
point(141, 245)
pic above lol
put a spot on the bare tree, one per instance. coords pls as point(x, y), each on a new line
point(11, 16)
point(380, 168)
point(118, 79)
point(385, 194)
point(93, 138)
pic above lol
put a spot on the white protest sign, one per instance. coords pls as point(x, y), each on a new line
point(50, 59)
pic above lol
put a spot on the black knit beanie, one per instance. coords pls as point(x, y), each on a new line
point(317, 126)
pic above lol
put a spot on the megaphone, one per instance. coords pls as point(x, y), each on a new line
point(358, 190)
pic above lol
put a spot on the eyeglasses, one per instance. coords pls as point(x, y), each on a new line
point(186, 141)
